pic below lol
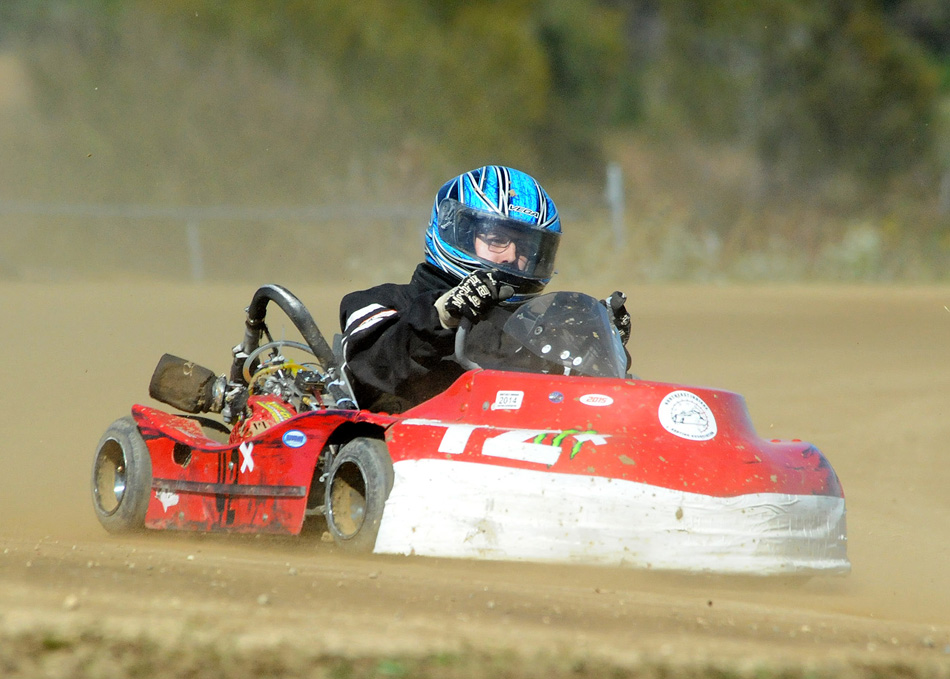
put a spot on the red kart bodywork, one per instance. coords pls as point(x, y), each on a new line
point(256, 485)
point(578, 426)
point(635, 445)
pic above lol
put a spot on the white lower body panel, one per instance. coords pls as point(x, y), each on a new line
point(445, 508)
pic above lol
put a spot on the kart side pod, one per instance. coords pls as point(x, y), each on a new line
point(186, 385)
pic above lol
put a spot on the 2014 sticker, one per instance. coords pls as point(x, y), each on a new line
point(508, 400)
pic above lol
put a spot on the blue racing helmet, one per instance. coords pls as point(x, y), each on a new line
point(495, 219)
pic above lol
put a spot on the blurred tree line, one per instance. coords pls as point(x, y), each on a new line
point(811, 86)
point(841, 102)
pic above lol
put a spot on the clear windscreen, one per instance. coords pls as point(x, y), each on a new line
point(570, 332)
point(564, 333)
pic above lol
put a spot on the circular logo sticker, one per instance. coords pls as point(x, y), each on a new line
point(686, 415)
point(294, 439)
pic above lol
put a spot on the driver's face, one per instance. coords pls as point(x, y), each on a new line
point(499, 247)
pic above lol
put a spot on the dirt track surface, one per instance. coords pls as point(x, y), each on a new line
point(861, 372)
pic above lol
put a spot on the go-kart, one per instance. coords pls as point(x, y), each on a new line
point(545, 449)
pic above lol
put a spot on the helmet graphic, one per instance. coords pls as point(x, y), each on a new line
point(495, 219)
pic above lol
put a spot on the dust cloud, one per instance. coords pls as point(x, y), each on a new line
point(861, 372)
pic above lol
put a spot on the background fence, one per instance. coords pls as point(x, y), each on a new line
point(60, 241)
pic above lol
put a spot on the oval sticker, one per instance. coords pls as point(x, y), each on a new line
point(598, 400)
point(294, 438)
point(686, 415)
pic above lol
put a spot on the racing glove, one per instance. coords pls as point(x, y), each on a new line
point(477, 294)
point(619, 315)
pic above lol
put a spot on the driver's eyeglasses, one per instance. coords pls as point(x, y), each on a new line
point(495, 242)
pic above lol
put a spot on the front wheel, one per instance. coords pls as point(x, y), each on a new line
point(360, 479)
point(122, 478)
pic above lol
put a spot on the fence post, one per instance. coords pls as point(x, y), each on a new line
point(943, 199)
point(195, 257)
point(615, 201)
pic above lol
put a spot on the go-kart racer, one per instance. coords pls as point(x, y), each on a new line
point(491, 240)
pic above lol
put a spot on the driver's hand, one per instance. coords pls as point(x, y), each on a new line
point(472, 298)
point(616, 306)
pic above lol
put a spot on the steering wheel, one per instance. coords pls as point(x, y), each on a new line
point(249, 361)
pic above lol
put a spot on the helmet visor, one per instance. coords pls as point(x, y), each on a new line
point(503, 243)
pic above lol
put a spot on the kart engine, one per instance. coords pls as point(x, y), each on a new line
point(195, 389)
point(307, 386)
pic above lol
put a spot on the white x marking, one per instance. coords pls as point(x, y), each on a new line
point(247, 461)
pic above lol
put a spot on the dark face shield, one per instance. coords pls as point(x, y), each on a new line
point(501, 242)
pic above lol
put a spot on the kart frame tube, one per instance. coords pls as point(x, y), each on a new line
point(297, 313)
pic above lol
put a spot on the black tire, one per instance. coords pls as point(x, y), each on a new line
point(122, 478)
point(360, 479)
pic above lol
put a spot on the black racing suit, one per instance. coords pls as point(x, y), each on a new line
point(396, 352)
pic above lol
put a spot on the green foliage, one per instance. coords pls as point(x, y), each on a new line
point(926, 21)
point(521, 81)
point(813, 87)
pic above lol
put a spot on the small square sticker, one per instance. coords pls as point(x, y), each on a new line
point(508, 400)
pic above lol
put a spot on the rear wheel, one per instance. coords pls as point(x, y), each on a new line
point(122, 478)
point(360, 479)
